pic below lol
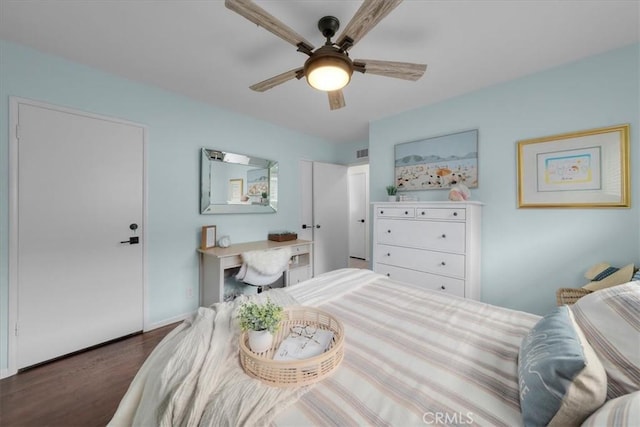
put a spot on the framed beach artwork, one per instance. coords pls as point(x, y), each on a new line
point(437, 163)
point(257, 182)
point(572, 170)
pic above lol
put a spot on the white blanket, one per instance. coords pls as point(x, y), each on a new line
point(268, 262)
point(194, 377)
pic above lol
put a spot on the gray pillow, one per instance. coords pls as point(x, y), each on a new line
point(561, 379)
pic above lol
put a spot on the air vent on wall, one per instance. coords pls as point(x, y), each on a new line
point(362, 153)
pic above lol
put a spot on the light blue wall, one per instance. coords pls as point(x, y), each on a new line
point(177, 128)
point(528, 253)
point(347, 152)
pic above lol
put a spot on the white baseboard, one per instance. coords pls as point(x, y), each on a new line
point(5, 373)
point(169, 321)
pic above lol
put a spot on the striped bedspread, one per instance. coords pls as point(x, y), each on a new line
point(412, 357)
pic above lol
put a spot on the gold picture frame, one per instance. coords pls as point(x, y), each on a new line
point(208, 237)
point(585, 169)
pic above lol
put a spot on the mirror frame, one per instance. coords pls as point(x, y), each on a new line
point(209, 157)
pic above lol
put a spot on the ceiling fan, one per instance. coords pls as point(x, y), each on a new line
point(329, 67)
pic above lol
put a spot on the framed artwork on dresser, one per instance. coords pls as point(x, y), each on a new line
point(575, 170)
point(438, 162)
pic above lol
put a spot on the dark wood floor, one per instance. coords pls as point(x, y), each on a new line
point(80, 390)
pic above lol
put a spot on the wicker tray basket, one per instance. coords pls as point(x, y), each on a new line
point(285, 373)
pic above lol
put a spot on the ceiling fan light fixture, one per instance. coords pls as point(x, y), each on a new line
point(328, 73)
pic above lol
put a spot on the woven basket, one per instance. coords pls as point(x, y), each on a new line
point(286, 373)
point(568, 296)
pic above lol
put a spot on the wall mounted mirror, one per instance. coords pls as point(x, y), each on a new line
point(237, 183)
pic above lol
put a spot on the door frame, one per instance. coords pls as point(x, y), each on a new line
point(14, 102)
point(363, 168)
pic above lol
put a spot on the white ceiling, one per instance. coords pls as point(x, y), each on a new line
point(203, 50)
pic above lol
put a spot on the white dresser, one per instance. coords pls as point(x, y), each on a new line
point(435, 244)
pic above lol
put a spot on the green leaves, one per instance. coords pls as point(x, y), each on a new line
point(259, 317)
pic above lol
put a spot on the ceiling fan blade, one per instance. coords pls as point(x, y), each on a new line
point(277, 80)
point(366, 17)
point(398, 70)
point(264, 19)
point(336, 99)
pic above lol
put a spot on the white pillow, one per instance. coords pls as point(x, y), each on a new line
point(621, 411)
point(610, 320)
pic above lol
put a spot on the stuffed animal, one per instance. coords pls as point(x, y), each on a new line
point(459, 193)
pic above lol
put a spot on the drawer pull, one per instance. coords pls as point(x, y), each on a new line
point(388, 254)
point(442, 287)
point(406, 212)
point(455, 214)
point(444, 236)
point(381, 212)
point(443, 263)
point(388, 231)
point(422, 213)
point(388, 274)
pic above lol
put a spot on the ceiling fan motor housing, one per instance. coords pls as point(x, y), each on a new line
point(328, 59)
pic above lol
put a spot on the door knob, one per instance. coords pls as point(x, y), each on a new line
point(133, 227)
point(132, 240)
point(318, 226)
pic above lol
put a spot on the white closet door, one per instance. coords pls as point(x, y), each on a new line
point(331, 217)
point(305, 230)
point(80, 187)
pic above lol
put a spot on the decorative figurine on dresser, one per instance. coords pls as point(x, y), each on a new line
point(435, 244)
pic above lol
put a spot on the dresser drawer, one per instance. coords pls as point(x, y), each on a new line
point(429, 281)
point(441, 213)
point(383, 212)
point(436, 235)
point(442, 263)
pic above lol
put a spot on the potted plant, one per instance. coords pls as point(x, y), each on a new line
point(260, 321)
point(391, 192)
point(265, 198)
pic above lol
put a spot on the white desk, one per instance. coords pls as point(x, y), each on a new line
point(214, 262)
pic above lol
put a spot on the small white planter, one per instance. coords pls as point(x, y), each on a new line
point(392, 198)
point(260, 341)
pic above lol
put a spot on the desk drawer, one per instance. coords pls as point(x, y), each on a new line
point(441, 263)
point(231, 261)
point(300, 249)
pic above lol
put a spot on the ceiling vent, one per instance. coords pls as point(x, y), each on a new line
point(361, 154)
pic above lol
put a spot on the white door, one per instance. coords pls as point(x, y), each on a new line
point(80, 189)
point(357, 215)
point(330, 216)
point(324, 213)
point(305, 169)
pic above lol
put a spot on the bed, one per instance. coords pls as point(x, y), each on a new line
point(412, 357)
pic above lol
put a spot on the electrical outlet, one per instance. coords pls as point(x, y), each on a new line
point(189, 292)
